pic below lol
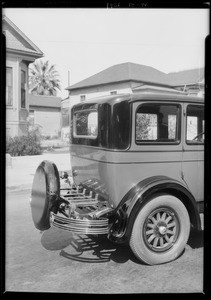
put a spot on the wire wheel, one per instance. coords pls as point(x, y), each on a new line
point(161, 229)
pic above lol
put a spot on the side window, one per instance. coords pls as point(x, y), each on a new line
point(23, 89)
point(9, 86)
point(158, 123)
point(195, 124)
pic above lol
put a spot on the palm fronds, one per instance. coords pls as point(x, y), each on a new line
point(43, 79)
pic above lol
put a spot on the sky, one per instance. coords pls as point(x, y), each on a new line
point(83, 42)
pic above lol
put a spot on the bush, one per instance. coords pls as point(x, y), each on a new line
point(46, 137)
point(50, 137)
point(24, 145)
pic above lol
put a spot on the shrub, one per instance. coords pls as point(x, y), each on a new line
point(46, 137)
point(24, 145)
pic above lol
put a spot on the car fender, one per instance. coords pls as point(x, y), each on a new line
point(138, 195)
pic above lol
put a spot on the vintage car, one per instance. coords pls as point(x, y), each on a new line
point(137, 174)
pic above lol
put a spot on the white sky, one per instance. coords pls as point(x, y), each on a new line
point(87, 41)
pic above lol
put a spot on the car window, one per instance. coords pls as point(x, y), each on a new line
point(86, 124)
point(195, 124)
point(157, 123)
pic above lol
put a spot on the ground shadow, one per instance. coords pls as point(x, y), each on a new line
point(196, 239)
point(98, 249)
point(91, 249)
point(102, 249)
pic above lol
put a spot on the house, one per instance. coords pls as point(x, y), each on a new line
point(20, 52)
point(121, 78)
point(45, 114)
point(190, 81)
point(129, 78)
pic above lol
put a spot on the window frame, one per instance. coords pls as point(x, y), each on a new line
point(178, 129)
point(75, 135)
point(192, 142)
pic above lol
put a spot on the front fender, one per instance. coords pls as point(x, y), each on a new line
point(134, 200)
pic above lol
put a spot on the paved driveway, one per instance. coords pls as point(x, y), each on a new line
point(58, 261)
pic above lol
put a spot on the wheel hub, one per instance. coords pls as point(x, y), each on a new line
point(162, 229)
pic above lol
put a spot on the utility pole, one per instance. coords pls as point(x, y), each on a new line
point(68, 78)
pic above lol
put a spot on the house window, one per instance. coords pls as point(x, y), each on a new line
point(9, 86)
point(113, 92)
point(23, 89)
point(83, 97)
point(31, 117)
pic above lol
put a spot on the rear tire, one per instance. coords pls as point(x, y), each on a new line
point(45, 194)
point(161, 230)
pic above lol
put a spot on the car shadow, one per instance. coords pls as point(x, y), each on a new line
point(83, 248)
point(196, 239)
point(97, 248)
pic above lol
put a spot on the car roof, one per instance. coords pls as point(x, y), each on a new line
point(113, 99)
point(166, 97)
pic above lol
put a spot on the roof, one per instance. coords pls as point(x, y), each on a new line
point(123, 72)
point(140, 73)
point(44, 101)
point(186, 77)
point(144, 95)
point(16, 40)
point(166, 97)
point(151, 88)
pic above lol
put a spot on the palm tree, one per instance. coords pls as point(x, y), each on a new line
point(43, 79)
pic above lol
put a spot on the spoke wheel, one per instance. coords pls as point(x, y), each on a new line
point(160, 230)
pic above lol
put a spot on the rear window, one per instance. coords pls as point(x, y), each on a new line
point(85, 124)
point(105, 125)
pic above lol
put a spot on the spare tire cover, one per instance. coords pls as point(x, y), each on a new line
point(45, 194)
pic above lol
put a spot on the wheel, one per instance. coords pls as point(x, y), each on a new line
point(160, 231)
point(45, 194)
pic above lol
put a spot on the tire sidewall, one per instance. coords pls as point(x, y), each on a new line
point(137, 242)
point(52, 186)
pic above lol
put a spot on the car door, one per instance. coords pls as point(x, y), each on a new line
point(193, 149)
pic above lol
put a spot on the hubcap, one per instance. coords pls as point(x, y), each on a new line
point(161, 229)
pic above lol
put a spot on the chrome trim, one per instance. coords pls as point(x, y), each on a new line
point(80, 211)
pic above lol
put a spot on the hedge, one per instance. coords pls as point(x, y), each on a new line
point(29, 144)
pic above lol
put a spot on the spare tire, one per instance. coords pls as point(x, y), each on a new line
point(45, 194)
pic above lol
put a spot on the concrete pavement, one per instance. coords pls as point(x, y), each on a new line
point(20, 170)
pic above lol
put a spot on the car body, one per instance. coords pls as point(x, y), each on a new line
point(142, 156)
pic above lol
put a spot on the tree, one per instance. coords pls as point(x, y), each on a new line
point(142, 126)
point(43, 79)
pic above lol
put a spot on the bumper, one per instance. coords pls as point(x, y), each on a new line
point(82, 226)
point(81, 212)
